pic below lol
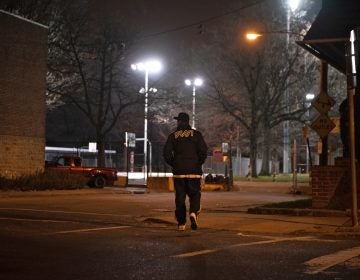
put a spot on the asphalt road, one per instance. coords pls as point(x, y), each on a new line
point(126, 236)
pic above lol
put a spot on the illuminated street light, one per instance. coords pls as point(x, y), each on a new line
point(292, 6)
point(142, 90)
point(194, 83)
point(253, 36)
point(286, 149)
point(309, 96)
point(150, 66)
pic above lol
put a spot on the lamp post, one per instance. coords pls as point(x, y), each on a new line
point(309, 97)
point(194, 83)
point(291, 7)
point(252, 36)
point(150, 66)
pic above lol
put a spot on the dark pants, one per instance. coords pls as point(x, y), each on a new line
point(190, 187)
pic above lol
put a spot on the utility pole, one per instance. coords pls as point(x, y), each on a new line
point(351, 51)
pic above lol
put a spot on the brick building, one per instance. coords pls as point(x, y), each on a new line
point(23, 59)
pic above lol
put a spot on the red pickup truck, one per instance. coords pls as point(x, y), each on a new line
point(98, 177)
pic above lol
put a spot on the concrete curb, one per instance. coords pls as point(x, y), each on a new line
point(298, 212)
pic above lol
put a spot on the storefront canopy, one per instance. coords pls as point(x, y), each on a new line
point(330, 31)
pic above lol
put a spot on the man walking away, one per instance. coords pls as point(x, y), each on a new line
point(185, 151)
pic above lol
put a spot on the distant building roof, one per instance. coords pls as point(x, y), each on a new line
point(330, 31)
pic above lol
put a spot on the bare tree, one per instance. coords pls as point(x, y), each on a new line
point(88, 63)
point(249, 82)
point(88, 67)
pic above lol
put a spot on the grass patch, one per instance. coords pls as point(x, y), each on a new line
point(48, 180)
point(299, 204)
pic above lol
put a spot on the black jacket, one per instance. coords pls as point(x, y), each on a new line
point(185, 151)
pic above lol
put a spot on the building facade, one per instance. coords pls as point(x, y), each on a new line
point(23, 66)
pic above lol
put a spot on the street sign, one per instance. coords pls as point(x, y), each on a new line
point(322, 125)
point(323, 103)
point(225, 147)
point(130, 139)
point(217, 154)
point(92, 147)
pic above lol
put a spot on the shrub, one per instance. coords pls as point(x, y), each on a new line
point(44, 181)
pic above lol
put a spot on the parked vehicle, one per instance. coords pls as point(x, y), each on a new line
point(98, 177)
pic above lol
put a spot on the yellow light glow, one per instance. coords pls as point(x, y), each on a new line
point(252, 36)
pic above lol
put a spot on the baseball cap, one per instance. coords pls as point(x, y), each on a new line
point(182, 117)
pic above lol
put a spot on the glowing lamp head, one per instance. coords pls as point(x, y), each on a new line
point(294, 4)
point(151, 66)
point(252, 36)
point(310, 96)
point(198, 82)
point(188, 82)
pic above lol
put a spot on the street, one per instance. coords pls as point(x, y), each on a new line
point(106, 234)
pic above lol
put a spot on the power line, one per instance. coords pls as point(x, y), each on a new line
point(201, 22)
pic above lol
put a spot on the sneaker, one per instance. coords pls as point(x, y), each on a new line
point(193, 220)
point(181, 227)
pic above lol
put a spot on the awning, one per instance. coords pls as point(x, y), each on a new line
point(330, 31)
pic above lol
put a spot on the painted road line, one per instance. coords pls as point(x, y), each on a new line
point(303, 238)
point(36, 220)
point(62, 221)
point(89, 230)
point(275, 240)
point(324, 262)
point(195, 253)
point(61, 212)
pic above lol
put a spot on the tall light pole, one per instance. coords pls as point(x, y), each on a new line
point(194, 83)
point(292, 5)
point(309, 97)
point(150, 66)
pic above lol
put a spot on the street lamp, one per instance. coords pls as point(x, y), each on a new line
point(252, 36)
point(292, 6)
point(309, 97)
point(194, 83)
point(150, 66)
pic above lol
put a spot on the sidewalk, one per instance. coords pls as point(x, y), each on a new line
point(238, 210)
point(274, 221)
point(271, 224)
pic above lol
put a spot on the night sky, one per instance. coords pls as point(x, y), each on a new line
point(160, 16)
point(156, 15)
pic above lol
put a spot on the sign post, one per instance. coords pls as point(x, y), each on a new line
point(130, 144)
point(323, 103)
point(323, 125)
